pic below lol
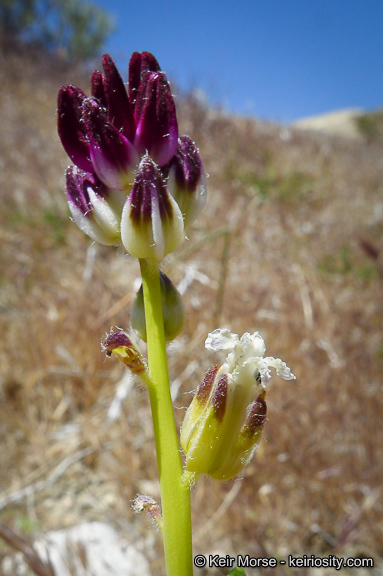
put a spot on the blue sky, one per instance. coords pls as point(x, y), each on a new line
point(273, 59)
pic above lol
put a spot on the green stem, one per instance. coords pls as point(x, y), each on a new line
point(175, 494)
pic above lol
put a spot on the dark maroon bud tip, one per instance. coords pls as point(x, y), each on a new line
point(256, 416)
point(98, 88)
point(149, 62)
point(220, 397)
point(140, 62)
point(116, 340)
point(120, 112)
point(155, 117)
point(188, 165)
point(71, 127)
point(113, 155)
point(76, 190)
point(204, 389)
point(148, 189)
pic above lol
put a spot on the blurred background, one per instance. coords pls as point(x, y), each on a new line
point(276, 60)
point(285, 103)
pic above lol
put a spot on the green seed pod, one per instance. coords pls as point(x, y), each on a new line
point(172, 308)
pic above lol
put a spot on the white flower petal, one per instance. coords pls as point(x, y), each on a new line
point(89, 226)
point(221, 339)
point(246, 355)
point(253, 345)
point(281, 367)
point(105, 216)
point(264, 371)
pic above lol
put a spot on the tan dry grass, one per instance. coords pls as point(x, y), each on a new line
point(299, 213)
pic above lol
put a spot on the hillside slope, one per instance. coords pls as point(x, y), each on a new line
point(339, 123)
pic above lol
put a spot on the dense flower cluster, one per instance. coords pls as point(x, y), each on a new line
point(134, 179)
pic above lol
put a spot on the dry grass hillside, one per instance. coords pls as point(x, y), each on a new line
point(341, 122)
point(290, 244)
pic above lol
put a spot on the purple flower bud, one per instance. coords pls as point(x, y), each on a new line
point(155, 116)
point(140, 62)
point(151, 222)
point(120, 112)
point(71, 127)
point(116, 340)
point(127, 352)
point(187, 180)
point(107, 135)
point(113, 156)
point(98, 88)
point(95, 209)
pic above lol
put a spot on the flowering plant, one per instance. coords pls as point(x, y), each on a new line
point(135, 181)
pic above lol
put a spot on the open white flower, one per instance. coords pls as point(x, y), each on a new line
point(248, 350)
point(223, 424)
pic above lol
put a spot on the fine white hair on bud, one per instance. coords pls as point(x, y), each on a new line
point(134, 179)
point(151, 223)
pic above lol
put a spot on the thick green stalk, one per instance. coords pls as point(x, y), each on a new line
point(175, 494)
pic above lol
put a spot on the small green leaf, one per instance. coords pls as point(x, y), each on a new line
point(237, 572)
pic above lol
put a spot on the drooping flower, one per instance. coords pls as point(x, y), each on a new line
point(124, 142)
point(119, 343)
point(224, 422)
point(95, 208)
